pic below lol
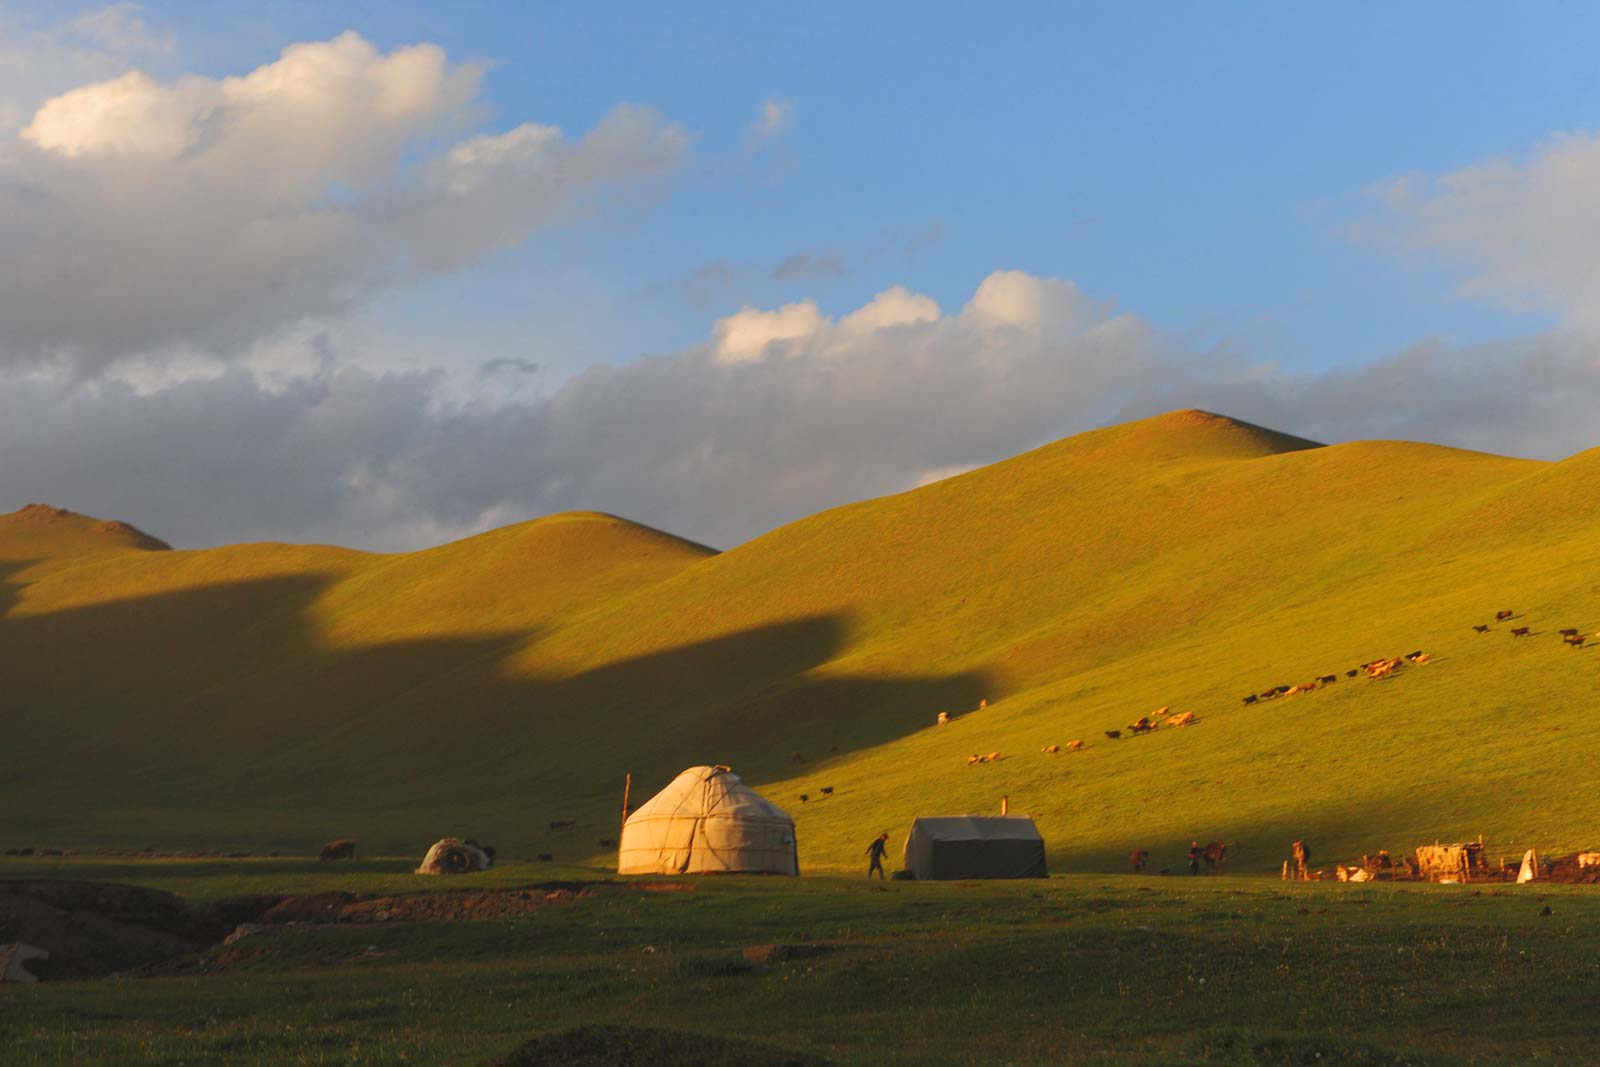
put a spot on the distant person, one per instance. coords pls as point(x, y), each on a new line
point(1194, 857)
point(879, 846)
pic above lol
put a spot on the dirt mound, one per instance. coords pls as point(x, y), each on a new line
point(92, 930)
point(640, 1046)
point(462, 905)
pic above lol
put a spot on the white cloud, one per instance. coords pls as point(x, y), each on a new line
point(141, 216)
point(37, 62)
point(1524, 230)
point(895, 306)
point(776, 118)
point(746, 334)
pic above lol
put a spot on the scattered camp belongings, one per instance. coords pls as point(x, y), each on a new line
point(975, 846)
point(708, 821)
point(1451, 863)
point(451, 855)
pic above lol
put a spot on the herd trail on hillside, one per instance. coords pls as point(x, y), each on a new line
point(276, 696)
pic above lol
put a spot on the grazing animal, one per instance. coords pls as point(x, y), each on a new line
point(1280, 690)
point(1113, 734)
point(983, 703)
point(1575, 642)
point(1426, 657)
point(1216, 856)
point(343, 849)
point(1413, 655)
point(974, 758)
point(1481, 629)
point(1569, 632)
point(1302, 862)
point(827, 790)
point(545, 857)
point(1051, 750)
point(1327, 679)
point(804, 797)
point(1352, 672)
point(563, 824)
point(1269, 694)
point(1181, 720)
point(1519, 631)
point(1139, 858)
point(1142, 724)
point(944, 717)
point(1502, 616)
point(1073, 746)
point(1251, 699)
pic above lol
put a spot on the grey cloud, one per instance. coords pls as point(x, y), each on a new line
point(508, 363)
point(719, 451)
point(807, 266)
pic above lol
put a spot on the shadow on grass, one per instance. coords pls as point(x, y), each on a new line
point(219, 707)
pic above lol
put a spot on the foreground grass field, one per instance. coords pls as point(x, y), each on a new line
point(1077, 969)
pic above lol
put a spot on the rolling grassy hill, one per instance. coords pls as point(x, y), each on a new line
point(272, 695)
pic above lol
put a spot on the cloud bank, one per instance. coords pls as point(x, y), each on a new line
point(141, 217)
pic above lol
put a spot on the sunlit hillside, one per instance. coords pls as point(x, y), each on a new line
point(271, 695)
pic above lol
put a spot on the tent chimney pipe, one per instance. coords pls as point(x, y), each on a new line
point(1005, 805)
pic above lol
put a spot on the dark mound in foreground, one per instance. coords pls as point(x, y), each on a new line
point(92, 930)
point(639, 1046)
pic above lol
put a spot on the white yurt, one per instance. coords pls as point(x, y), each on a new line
point(708, 821)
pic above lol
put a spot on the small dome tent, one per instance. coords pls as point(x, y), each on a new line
point(706, 821)
point(975, 846)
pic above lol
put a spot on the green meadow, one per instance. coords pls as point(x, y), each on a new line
point(1075, 969)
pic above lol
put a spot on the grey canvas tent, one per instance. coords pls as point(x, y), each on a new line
point(975, 846)
point(707, 820)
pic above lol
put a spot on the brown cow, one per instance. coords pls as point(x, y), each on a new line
point(1520, 631)
point(1215, 855)
point(343, 849)
point(1073, 746)
point(1050, 750)
point(1139, 858)
point(1502, 616)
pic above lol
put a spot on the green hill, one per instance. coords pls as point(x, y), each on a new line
point(272, 695)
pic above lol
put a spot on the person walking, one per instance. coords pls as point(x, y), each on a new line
point(1194, 857)
point(879, 846)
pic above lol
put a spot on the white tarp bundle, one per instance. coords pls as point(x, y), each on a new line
point(707, 820)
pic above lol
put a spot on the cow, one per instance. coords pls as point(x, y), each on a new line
point(974, 758)
point(1327, 679)
point(343, 849)
point(1280, 690)
point(1575, 642)
point(944, 717)
point(1502, 616)
point(1251, 699)
point(1141, 725)
point(1352, 672)
point(805, 797)
point(1113, 734)
point(1568, 632)
point(1181, 720)
point(1412, 656)
point(1520, 631)
point(1215, 855)
point(1074, 745)
point(1302, 861)
point(1481, 629)
point(827, 790)
point(1426, 657)
point(1139, 858)
point(1050, 750)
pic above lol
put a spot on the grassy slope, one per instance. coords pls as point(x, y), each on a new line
point(1186, 560)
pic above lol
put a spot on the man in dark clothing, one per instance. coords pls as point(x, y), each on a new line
point(1194, 857)
point(879, 846)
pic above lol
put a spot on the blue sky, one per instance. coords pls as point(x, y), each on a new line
point(1198, 165)
point(1251, 207)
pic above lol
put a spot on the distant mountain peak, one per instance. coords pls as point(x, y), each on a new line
point(112, 531)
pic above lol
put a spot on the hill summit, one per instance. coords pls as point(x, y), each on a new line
point(59, 531)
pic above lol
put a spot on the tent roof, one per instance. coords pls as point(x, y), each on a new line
point(977, 828)
point(715, 790)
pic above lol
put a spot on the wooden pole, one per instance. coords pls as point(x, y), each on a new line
point(1005, 805)
point(627, 785)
